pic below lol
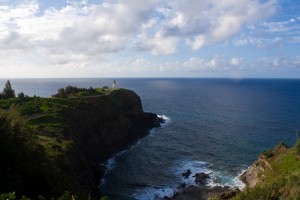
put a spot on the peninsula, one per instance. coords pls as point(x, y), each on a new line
point(53, 146)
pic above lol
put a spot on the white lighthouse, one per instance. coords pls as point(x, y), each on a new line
point(114, 84)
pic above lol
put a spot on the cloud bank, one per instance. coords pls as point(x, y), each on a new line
point(83, 34)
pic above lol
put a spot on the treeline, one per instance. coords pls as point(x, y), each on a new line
point(71, 91)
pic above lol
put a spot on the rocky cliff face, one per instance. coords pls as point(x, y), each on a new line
point(256, 173)
point(77, 133)
point(101, 126)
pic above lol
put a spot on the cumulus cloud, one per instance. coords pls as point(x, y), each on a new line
point(270, 33)
point(281, 26)
point(209, 21)
point(280, 64)
point(261, 42)
point(82, 33)
point(158, 44)
point(235, 61)
point(109, 26)
point(13, 41)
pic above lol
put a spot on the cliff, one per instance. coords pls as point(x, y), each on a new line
point(79, 132)
point(275, 175)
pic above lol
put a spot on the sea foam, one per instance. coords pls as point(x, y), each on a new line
point(167, 120)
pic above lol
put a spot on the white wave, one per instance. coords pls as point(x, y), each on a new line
point(166, 119)
point(154, 193)
point(216, 178)
point(110, 164)
point(238, 181)
point(165, 123)
point(223, 178)
point(195, 167)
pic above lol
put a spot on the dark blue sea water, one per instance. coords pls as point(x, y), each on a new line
point(218, 126)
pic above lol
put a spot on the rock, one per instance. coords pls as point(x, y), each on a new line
point(229, 194)
point(181, 186)
point(255, 173)
point(200, 192)
point(187, 173)
point(201, 178)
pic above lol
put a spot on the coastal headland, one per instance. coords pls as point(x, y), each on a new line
point(74, 130)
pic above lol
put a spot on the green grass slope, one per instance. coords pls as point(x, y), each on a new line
point(280, 177)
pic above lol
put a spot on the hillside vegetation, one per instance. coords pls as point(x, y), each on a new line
point(52, 145)
point(278, 175)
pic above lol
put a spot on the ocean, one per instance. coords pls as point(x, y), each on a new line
point(217, 126)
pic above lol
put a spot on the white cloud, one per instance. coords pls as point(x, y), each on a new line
point(259, 42)
point(235, 61)
point(210, 21)
point(82, 34)
point(110, 25)
point(281, 26)
point(158, 45)
point(198, 42)
point(13, 40)
point(279, 64)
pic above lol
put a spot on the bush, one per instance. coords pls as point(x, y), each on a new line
point(8, 196)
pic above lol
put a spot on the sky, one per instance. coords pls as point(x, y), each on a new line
point(153, 38)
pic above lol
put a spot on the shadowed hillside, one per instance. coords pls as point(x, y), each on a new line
point(66, 137)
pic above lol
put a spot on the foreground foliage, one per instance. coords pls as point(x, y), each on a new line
point(65, 196)
point(25, 167)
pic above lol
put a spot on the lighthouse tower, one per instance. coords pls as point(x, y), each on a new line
point(114, 84)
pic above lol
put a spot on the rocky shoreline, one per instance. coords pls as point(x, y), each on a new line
point(201, 190)
point(254, 175)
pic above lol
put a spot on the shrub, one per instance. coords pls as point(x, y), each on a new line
point(8, 196)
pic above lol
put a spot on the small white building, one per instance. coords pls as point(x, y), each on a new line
point(114, 84)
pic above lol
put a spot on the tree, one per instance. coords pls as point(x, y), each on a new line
point(61, 93)
point(21, 95)
point(8, 92)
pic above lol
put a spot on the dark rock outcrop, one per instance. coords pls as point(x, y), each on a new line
point(201, 178)
point(187, 173)
point(229, 194)
point(200, 193)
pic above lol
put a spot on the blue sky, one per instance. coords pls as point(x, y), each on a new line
point(153, 38)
